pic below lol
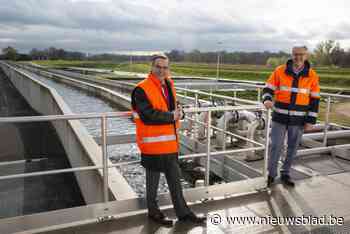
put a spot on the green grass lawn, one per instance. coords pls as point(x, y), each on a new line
point(334, 115)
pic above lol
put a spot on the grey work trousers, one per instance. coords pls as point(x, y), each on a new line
point(278, 132)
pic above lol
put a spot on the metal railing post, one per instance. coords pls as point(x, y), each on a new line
point(259, 95)
point(326, 124)
point(267, 140)
point(196, 115)
point(207, 165)
point(224, 132)
point(104, 157)
point(211, 95)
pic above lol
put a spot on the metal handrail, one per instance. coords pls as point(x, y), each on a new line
point(40, 118)
point(226, 132)
point(197, 92)
point(328, 97)
point(105, 165)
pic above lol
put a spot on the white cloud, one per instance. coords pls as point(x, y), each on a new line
point(106, 25)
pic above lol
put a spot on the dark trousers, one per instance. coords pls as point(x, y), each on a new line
point(172, 175)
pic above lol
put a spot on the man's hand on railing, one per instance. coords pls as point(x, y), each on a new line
point(308, 127)
point(268, 104)
point(178, 114)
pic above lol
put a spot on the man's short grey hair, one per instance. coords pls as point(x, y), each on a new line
point(300, 47)
point(158, 56)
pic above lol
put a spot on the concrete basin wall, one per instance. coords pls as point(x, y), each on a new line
point(80, 147)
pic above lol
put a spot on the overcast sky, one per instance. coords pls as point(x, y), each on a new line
point(98, 26)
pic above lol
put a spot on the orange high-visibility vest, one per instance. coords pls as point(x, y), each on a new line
point(156, 139)
point(281, 83)
point(282, 86)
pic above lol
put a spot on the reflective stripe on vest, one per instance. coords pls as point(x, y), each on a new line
point(270, 86)
point(159, 139)
point(294, 90)
point(289, 112)
point(312, 114)
point(315, 94)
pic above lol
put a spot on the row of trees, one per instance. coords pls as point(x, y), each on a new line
point(51, 53)
point(54, 54)
point(329, 53)
point(196, 56)
point(326, 53)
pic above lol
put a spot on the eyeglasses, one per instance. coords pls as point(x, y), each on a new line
point(299, 54)
point(160, 67)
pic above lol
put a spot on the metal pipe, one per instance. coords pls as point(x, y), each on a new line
point(262, 86)
point(229, 133)
point(330, 135)
point(267, 139)
point(123, 163)
point(104, 157)
point(221, 96)
point(207, 168)
point(223, 108)
point(224, 132)
point(319, 150)
point(112, 114)
point(327, 121)
point(21, 161)
point(246, 115)
point(50, 172)
point(242, 115)
point(211, 94)
point(216, 153)
point(62, 117)
point(251, 135)
point(196, 127)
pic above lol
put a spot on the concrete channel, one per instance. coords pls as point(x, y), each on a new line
point(80, 147)
point(28, 148)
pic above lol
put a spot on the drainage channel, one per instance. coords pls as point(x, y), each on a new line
point(31, 147)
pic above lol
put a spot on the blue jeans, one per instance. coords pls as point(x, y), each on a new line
point(278, 133)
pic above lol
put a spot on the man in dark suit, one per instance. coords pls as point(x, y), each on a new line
point(157, 116)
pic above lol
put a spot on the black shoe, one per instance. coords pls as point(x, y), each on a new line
point(161, 219)
point(270, 181)
point(287, 180)
point(191, 217)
